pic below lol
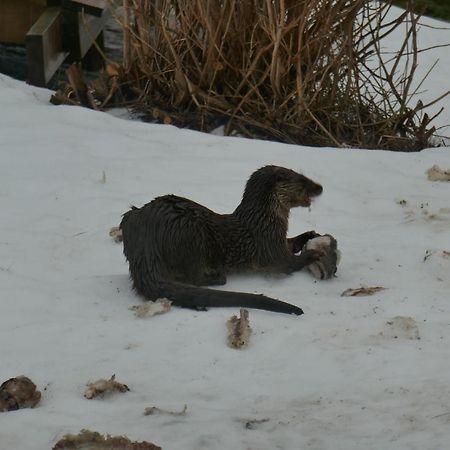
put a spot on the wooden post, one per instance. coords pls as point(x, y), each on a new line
point(44, 46)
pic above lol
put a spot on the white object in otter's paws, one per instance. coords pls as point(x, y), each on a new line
point(326, 266)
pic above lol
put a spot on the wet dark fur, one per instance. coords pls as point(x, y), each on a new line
point(173, 244)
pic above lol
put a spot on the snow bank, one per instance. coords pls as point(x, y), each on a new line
point(352, 373)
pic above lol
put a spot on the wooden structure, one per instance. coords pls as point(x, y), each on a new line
point(52, 30)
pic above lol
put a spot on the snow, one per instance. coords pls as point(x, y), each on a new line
point(349, 374)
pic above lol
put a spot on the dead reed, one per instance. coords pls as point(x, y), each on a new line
point(308, 72)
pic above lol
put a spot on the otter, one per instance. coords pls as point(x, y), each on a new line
point(173, 245)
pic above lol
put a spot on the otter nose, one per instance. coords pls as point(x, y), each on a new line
point(316, 189)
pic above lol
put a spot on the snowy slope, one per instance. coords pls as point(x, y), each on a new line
point(343, 376)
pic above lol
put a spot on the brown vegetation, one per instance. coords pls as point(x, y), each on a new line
point(150, 309)
point(311, 72)
point(299, 71)
point(239, 330)
point(92, 440)
point(102, 386)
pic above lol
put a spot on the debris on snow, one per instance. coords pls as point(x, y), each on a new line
point(116, 234)
point(362, 291)
point(428, 254)
point(239, 330)
point(152, 410)
point(424, 212)
point(445, 254)
point(435, 173)
point(253, 424)
point(103, 386)
point(401, 327)
point(18, 392)
point(91, 440)
point(150, 309)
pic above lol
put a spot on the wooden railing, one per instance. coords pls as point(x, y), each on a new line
point(52, 30)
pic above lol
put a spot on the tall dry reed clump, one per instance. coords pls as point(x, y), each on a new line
point(300, 71)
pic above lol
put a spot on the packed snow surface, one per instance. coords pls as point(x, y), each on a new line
point(352, 373)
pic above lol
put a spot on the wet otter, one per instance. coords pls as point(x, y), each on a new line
point(173, 244)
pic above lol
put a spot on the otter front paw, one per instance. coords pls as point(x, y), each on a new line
point(298, 242)
point(308, 257)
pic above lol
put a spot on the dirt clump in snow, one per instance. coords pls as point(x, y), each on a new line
point(150, 309)
point(401, 327)
point(253, 424)
point(116, 234)
point(91, 440)
point(239, 330)
point(102, 386)
point(153, 410)
point(18, 392)
point(435, 173)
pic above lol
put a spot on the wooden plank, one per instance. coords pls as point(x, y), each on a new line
point(99, 4)
point(89, 28)
point(81, 30)
point(16, 17)
point(94, 7)
point(93, 59)
point(45, 51)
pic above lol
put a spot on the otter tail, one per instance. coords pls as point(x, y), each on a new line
point(187, 296)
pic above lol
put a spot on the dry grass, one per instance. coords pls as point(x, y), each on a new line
point(300, 71)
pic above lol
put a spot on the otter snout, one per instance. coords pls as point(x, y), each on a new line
point(312, 188)
point(316, 189)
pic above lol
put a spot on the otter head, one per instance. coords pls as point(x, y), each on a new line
point(293, 189)
point(287, 188)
